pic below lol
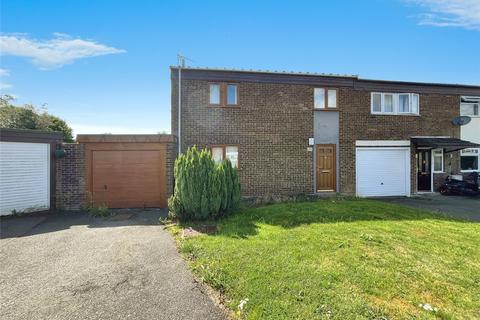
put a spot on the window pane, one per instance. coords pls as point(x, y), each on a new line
point(467, 109)
point(332, 98)
point(403, 103)
point(415, 103)
point(388, 102)
point(437, 160)
point(214, 94)
point(232, 94)
point(469, 162)
point(377, 102)
point(231, 153)
point(319, 98)
point(217, 154)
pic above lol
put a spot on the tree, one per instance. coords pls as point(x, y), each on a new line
point(203, 189)
point(28, 117)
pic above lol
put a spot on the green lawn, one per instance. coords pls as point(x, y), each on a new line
point(342, 259)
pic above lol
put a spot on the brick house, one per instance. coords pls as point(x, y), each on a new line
point(298, 133)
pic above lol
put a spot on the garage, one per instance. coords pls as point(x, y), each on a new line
point(126, 171)
point(26, 168)
point(382, 170)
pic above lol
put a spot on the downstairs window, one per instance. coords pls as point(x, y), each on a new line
point(220, 153)
point(469, 160)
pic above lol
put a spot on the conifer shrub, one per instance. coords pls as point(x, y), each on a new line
point(203, 189)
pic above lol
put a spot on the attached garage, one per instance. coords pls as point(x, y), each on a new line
point(127, 171)
point(27, 170)
point(382, 169)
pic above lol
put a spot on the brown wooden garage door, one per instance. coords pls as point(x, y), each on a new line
point(128, 178)
point(126, 171)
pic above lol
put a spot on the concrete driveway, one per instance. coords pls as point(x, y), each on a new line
point(455, 206)
point(72, 266)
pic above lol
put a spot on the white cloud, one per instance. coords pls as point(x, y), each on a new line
point(4, 85)
point(4, 72)
point(450, 13)
point(53, 53)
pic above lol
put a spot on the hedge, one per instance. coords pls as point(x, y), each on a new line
point(203, 189)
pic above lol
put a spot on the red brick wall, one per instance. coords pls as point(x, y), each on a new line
point(271, 128)
point(357, 123)
point(70, 174)
point(274, 121)
point(71, 188)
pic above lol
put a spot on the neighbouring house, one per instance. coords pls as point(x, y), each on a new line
point(470, 106)
point(303, 133)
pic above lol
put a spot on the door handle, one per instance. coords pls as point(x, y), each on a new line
point(325, 171)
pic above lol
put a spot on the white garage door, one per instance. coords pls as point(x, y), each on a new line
point(383, 172)
point(24, 177)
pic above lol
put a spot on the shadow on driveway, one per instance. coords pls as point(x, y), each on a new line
point(73, 266)
point(455, 206)
point(18, 226)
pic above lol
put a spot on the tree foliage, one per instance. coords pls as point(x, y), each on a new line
point(203, 189)
point(28, 117)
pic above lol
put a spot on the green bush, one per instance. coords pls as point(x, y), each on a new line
point(203, 189)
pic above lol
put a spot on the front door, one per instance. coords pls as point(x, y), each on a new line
point(326, 172)
point(424, 175)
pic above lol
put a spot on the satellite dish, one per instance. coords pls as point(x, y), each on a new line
point(461, 121)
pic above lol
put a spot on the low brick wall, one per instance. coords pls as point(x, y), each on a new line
point(70, 174)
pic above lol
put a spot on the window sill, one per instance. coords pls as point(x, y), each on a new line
point(218, 106)
point(326, 109)
point(395, 114)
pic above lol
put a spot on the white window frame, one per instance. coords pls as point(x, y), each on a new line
point(396, 104)
point(471, 100)
point(409, 103)
point(470, 154)
point(433, 161)
point(371, 103)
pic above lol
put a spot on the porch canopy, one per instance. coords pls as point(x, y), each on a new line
point(449, 144)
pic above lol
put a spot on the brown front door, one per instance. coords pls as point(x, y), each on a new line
point(326, 172)
point(128, 178)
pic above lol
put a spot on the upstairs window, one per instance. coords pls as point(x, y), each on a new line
point(469, 106)
point(214, 94)
point(324, 98)
point(395, 103)
point(376, 102)
point(231, 94)
point(223, 94)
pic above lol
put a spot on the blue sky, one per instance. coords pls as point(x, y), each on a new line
point(104, 65)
